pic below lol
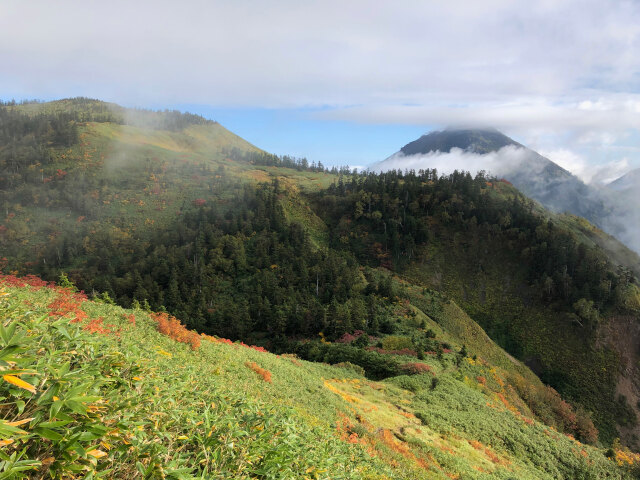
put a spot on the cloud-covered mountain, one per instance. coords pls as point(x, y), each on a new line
point(487, 149)
point(474, 141)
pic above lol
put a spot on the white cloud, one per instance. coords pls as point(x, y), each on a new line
point(600, 174)
point(499, 163)
point(291, 53)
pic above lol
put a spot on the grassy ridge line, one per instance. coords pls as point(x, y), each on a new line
point(123, 401)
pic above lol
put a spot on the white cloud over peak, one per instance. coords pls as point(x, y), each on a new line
point(498, 163)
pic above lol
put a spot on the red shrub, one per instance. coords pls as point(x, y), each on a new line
point(29, 280)
point(265, 374)
point(415, 368)
point(68, 304)
point(171, 327)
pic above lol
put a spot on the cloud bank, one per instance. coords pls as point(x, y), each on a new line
point(555, 74)
point(512, 56)
point(502, 163)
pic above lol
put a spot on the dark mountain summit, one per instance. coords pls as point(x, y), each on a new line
point(474, 141)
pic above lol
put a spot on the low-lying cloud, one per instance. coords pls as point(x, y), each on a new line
point(599, 174)
point(500, 163)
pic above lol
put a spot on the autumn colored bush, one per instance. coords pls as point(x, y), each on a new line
point(173, 328)
point(265, 374)
point(68, 305)
point(415, 368)
point(28, 280)
point(546, 403)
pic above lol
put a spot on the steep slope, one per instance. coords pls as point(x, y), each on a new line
point(535, 282)
point(215, 409)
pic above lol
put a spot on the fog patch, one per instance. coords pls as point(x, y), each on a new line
point(502, 163)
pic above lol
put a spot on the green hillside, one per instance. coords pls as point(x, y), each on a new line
point(93, 390)
point(396, 277)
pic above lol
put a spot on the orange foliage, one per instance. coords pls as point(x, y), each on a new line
point(625, 457)
point(265, 374)
point(476, 444)
point(68, 304)
point(344, 427)
point(492, 456)
point(402, 448)
point(96, 325)
point(29, 280)
point(390, 441)
point(172, 328)
point(407, 414)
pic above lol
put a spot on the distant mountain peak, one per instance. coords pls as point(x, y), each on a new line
point(630, 180)
point(474, 140)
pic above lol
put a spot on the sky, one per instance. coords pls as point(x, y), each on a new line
point(349, 82)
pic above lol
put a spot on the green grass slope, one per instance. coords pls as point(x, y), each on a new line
point(92, 390)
